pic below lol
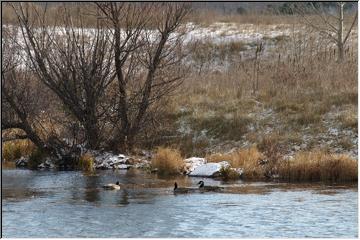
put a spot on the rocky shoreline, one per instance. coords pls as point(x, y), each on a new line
point(194, 166)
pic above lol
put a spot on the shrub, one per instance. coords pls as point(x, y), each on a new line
point(167, 161)
point(349, 120)
point(13, 150)
point(342, 98)
point(222, 128)
point(86, 162)
point(227, 173)
point(248, 159)
point(36, 158)
point(319, 166)
point(271, 146)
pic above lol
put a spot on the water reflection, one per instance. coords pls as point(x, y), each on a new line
point(124, 199)
point(91, 193)
point(73, 204)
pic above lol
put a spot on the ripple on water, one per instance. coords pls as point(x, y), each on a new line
point(147, 207)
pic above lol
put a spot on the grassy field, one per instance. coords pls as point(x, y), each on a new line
point(264, 89)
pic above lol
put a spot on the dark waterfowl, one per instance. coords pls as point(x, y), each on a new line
point(112, 186)
point(183, 190)
point(202, 187)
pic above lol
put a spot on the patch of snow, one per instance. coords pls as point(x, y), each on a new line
point(122, 166)
point(209, 169)
point(108, 160)
point(240, 171)
point(192, 163)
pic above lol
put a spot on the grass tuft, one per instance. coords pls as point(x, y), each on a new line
point(227, 173)
point(248, 159)
point(319, 166)
point(349, 120)
point(13, 150)
point(86, 162)
point(167, 161)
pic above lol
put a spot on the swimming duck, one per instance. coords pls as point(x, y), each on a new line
point(183, 190)
point(112, 186)
point(208, 188)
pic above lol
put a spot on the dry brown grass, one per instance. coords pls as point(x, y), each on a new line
point(86, 162)
point(208, 16)
point(319, 166)
point(349, 120)
point(13, 150)
point(167, 161)
point(248, 159)
point(227, 173)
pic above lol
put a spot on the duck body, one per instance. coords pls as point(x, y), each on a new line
point(204, 188)
point(112, 186)
point(183, 190)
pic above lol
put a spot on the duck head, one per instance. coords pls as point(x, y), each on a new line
point(201, 184)
point(175, 186)
point(117, 183)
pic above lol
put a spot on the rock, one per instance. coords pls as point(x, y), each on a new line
point(48, 164)
point(133, 161)
point(192, 163)
point(275, 176)
point(240, 171)
point(303, 146)
point(102, 166)
point(333, 131)
point(142, 165)
point(263, 161)
point(41, 166)
point(122, 166)
point(296, 148)
point(22, 162)
point(208, 169)
point(147, 154)
point(108, 161)
point(288, 157)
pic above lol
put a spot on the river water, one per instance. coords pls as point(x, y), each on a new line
point(73, 204)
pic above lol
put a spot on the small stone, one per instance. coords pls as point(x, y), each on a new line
point(22, 162)
point(240, 171)
point(122, 166)
point(296, 148)
point(41, 165)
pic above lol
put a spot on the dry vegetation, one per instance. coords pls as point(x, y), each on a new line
point(207, 17)
point(167, 161)
point(239, 95)
point(86, 162)
point(301, 93)
point(13, 150)
point(220, 105)
point(247, 159)
point(319, 166)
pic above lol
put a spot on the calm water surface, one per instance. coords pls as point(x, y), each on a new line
point(71, 204)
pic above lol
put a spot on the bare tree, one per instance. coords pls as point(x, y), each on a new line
point(326, 23)
point(148, 54)
point(21, 95)
point(75, 63)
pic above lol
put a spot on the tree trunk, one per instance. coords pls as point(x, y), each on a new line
point(340, 41)
point(340, 52)
point(91, 133)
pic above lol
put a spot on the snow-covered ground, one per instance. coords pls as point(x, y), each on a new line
point(220, 33)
